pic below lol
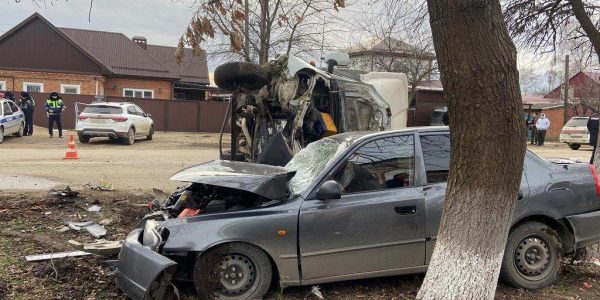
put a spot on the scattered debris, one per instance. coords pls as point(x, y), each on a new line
point(101, 247)
point(94, 208)
point(55, 255)
point(67, 192)
point(315, 290)
point(586, 285)
point(596, 262)
point(106, 222)
point(64, 228)
point(104, 248)
point(93, 228)
point(103, 186)
point(48, 213)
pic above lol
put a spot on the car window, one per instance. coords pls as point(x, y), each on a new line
point(14, 107)
point(103, 110)
point(436, 155)
point(131, 110)
point(6, 108)
point(577, 122)
point(381, 164)
point(139, 110)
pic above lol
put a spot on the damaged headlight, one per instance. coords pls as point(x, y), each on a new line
point(151, 237)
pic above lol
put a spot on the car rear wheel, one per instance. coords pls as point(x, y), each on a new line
point(532, 257)
point(83, 139)
point(150, 133)
point(1, 134)
point(233, 271)
point(130, 139)
point(21, 130)
point(574, 146)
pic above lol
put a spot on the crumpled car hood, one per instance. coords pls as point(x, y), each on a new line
point(264, 180)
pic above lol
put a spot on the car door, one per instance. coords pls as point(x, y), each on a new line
point(144, 120)
point(18, 115)
point(135, 119)
point(9, 119)
point(435, 147)
point(377, 227)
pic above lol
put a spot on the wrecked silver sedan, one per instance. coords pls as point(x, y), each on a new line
point(284, 105)
point(351, 206)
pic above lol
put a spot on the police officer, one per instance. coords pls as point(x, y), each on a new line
point(27, 105)
point(54, 107)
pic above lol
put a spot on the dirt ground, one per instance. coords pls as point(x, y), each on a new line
point(31, 219)
point(31, 222)
point(143, 165)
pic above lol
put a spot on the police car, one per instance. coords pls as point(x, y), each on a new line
point(12, 119)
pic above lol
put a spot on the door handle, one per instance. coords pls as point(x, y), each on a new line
point(406, 210)
point(520, 196)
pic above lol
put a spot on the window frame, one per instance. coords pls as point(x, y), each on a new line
point(40, 84)
point(4, 105)
point(2, 85)
point(13, 106)
point(424, 134)
point(138, 90)
point(419, 176)
point(75, 86)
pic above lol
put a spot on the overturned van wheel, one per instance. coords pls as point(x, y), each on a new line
point(245, 75)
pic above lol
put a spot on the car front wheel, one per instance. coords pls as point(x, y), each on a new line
point(1, 134)
point(150, 133)
point(574, 146)
point(532, 257)
point(232, 272)
point(21, 130)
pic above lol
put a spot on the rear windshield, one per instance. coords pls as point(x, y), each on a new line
point(577, 122)
point(103, 110)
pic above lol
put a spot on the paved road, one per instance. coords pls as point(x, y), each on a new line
point(144, 165)
point(36, 162)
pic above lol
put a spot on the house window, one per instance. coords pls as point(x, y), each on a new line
point(32, 87)
point(70, 89)
point(2, 85)
point(138, 93)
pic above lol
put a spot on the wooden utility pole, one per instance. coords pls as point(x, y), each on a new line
point(566, 91)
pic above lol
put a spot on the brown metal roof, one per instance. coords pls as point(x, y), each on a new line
point(192, 69)
point(118, 53)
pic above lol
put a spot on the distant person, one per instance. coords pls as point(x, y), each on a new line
point(54, 107)
point(592, 125)
point(542, 126)
point(27, 105)
point(533, 129)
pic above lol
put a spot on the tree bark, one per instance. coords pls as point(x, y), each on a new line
point(477, 62)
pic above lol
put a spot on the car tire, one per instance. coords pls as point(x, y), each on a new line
point(574, 146)
point(21, 130)
point(150, 133)
point(84, 139)
point(130, 139)
point(533, 256)
point(217, 272)
point(246, 75)
point(1, 134)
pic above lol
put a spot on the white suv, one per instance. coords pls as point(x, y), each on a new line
point(122, 120)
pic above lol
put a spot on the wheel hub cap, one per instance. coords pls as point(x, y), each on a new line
point(237, 274)
point(532, 256)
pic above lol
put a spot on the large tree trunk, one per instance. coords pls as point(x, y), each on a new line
point(593, 34)
point(477, 62)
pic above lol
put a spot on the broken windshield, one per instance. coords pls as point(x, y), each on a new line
point(310, 161)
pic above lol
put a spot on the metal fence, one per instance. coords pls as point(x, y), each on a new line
point(168, 115)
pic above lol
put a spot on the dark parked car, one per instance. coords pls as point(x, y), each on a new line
point(354, 205)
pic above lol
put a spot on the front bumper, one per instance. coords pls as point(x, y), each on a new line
point(141, 272)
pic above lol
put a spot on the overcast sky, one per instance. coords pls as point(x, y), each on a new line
point(161, 21)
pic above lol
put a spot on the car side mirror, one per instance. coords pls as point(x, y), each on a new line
point(329, 190)
point(147, 115)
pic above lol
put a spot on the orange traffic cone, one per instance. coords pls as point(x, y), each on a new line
point(71, 149)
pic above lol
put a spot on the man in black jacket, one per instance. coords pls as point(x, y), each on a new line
point(592, 126)
point(27, 105)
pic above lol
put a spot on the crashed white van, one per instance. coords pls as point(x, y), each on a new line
point(287, 103)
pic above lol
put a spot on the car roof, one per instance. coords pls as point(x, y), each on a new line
point(115, 104)
point(360, 135)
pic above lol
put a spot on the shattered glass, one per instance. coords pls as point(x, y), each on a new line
point(309, 162)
